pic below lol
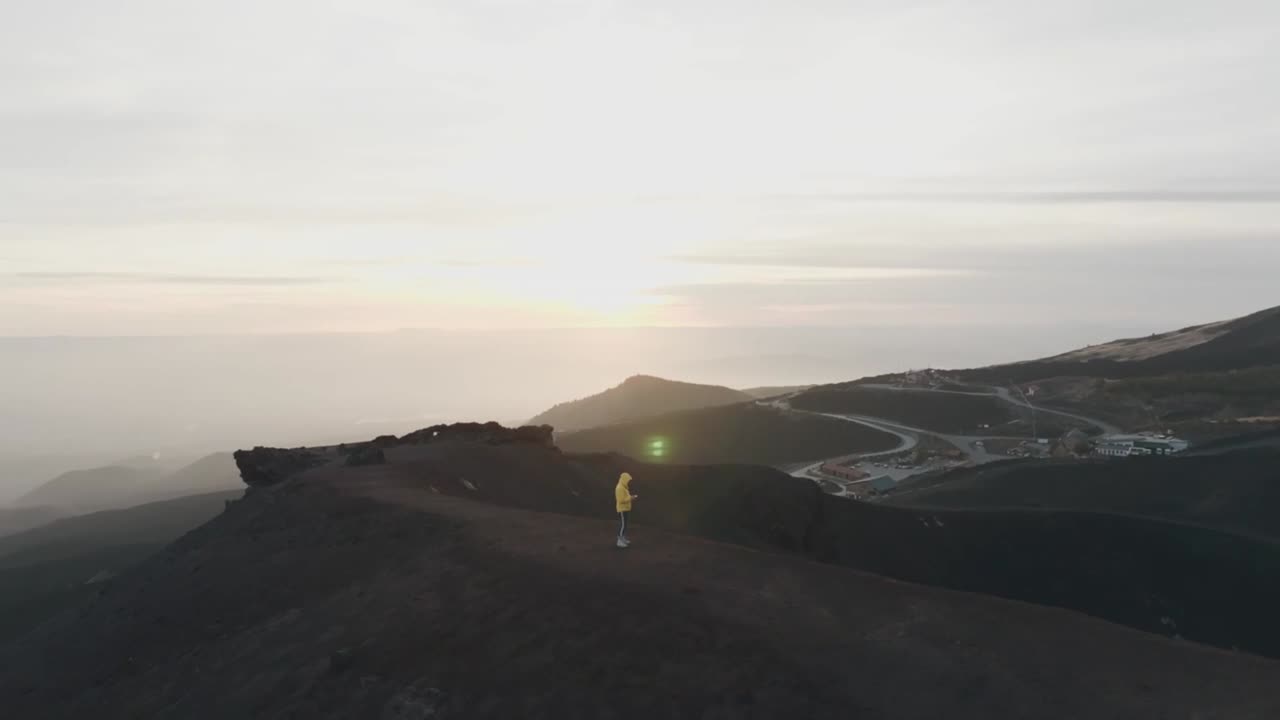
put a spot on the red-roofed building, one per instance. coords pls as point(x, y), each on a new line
point(844, 472)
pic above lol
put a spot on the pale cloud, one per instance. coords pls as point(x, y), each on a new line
point(572, 162)
point(170, 279)
point(1138, 282)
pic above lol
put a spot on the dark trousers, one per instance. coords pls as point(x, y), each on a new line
point(622, 524)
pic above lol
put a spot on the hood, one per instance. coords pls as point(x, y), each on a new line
point(625, 480)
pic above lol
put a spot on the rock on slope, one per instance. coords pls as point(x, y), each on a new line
point(638, 397)
point(373, 592)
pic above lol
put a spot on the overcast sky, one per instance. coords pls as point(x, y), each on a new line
point(169, 166)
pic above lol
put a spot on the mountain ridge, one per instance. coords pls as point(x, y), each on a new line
point(1244, 342)
point(636, 398)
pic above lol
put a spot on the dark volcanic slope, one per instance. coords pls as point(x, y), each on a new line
point(58, 564)
point(1161, 577)
point(747, 433)
point(941, 412)
point(362, 593)
point(1236, 491)
point(1250, 341)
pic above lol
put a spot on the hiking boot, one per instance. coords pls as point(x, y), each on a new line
point(622, 543)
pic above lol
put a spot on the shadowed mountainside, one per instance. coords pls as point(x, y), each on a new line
point(396, 589)
point(940, 412)
point(60, 563)
point(1233, 490)
point(1173, 578)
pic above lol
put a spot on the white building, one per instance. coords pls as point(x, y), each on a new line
point(1141, 444)
point(1113, 449)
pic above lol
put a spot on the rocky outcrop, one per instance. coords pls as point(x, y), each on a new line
point(490, 432)
point(263, 466)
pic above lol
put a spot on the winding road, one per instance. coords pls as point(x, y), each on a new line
point(1106, 427)
point(909, 437)
point(1006, 395)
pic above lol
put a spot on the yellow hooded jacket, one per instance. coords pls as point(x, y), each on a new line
point(622, 493)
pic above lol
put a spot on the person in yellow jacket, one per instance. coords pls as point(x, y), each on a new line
point(622, 495)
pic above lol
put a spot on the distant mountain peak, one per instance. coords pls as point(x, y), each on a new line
point(1253, 331)
point(637, 397)
point(643, 379)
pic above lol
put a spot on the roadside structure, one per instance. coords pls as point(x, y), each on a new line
point(1140, 444)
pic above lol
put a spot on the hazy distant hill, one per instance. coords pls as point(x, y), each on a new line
point(211, 473)
point(20, 472)
point(639, 397)
point(734, 434)
point(16, 519)
point(116, 486)
point(92, 489)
